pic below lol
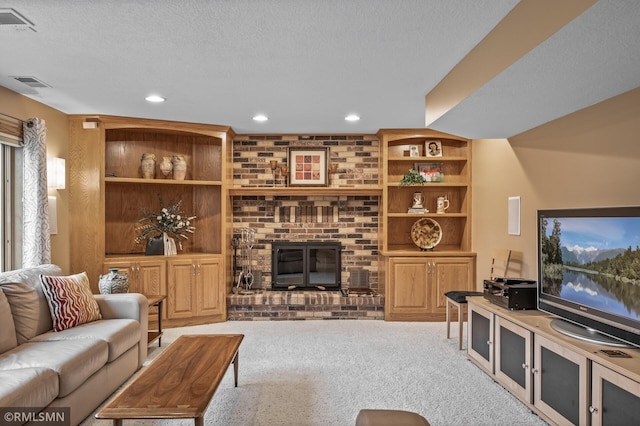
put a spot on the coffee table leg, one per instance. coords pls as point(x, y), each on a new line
point(199, 421)
point(235, 368)
point(117, 422)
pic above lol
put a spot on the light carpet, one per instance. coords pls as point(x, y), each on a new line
point(321, 373)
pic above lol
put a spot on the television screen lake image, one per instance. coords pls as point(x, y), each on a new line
point(594, 262)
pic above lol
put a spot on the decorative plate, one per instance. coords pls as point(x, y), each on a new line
point(426, 233)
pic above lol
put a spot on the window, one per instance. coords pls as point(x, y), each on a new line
point(10, 195)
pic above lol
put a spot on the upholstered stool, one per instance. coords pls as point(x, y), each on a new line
point(390, 418)
point(458, 299)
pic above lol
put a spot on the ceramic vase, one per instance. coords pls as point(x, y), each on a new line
point(169, 245)
point(113, 282)
point(166, 166)
point(179, 167)
point(155, 246)
point(148, 166)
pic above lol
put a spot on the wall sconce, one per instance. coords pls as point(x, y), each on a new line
point(56, 177)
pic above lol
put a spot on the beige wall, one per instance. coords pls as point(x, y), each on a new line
point(19, 106)
point(586, 159)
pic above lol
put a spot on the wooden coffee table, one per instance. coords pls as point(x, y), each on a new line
point(179, 383)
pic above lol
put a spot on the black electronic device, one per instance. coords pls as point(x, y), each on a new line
point(511, 293)
point(511, 281)
point(587, 272)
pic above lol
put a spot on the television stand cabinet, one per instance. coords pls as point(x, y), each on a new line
point(562, 379)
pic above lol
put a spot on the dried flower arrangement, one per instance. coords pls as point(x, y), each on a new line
point(169, 220)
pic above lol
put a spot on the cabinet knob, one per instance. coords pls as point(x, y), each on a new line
point(488, 342)
point(534, 371)
point(524, 366)
point(592, 409)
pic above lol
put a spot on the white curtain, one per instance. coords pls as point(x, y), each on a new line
point(36, 248)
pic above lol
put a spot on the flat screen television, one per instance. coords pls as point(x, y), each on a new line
point(589, 272)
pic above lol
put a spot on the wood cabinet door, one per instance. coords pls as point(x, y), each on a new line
point(514, 358)
point(447, 274)
point(150, 276)
point(209, 281)
point(145, 276)
point(407, 289)
point(560, 382)
point(124, 267)
point(181, 285)
point(615, 398)
point(480, 337)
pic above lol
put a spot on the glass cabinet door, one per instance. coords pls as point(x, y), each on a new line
point(560, 382)
point(480, 337)
point(615, 398)
point(514, 358)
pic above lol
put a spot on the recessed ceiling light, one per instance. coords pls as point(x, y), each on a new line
point(155, 98)
point(260, 117)
point(352, 117)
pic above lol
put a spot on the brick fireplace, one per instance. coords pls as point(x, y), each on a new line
point(350, 220)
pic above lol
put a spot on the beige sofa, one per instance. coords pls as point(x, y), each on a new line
point(78, 367)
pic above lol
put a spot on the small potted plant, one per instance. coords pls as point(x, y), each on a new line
point(412, 178)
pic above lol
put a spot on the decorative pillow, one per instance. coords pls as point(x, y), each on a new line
point(29, 307)
point(8, 329)
point(70, 300)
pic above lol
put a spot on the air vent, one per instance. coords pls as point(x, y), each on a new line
point(31, 82)
point(9, 18)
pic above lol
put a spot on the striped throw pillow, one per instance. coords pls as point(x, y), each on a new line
point(70, 300)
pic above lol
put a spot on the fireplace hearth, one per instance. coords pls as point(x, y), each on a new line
point(306, 265)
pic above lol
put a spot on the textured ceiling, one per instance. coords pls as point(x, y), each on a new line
point(306, 64)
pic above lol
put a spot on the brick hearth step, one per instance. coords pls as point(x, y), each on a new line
point(301, 305)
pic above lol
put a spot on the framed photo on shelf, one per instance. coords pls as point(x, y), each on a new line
point(433, 148)
point(431, 172)
point(414, 151)
point(307, 166)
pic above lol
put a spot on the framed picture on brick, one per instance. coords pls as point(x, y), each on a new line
point(308, 166)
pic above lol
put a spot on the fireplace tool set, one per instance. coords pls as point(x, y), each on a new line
point(242, 258)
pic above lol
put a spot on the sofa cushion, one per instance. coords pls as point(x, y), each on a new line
point(7, 329)
point(70, 300)
point(28, 387)
point(119, 334)
point(29, 307)
point(73, 360)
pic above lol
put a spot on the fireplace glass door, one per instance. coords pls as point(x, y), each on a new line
point(306, 266)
